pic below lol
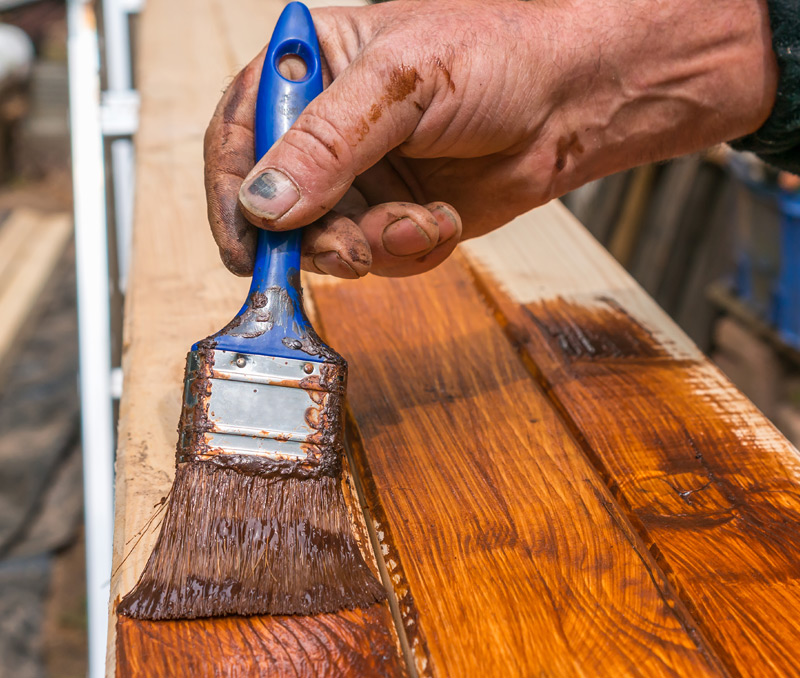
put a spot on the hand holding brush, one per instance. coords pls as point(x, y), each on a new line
point(256, 521)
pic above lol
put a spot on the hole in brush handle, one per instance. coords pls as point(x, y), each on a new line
point(291, 78)
point(294, 61)
point(292, 67)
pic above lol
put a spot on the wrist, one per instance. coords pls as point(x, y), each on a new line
point(648, 81)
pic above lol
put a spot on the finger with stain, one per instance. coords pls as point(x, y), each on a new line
point(229, 156)
point(450, 231)
point(335, 245)
point(406, 238)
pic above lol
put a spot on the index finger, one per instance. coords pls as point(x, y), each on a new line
point(229, 156)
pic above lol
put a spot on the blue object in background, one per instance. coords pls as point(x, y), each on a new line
point(787, 292)
point(768, 250)
point(758, 240)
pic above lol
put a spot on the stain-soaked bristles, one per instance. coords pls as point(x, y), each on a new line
point(236, 544)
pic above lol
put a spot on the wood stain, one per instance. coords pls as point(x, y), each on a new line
point(710, 484)
point(349, 643)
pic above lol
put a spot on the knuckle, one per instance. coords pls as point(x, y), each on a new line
point(320, 142)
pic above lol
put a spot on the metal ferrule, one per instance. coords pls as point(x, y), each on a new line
point(260, 406)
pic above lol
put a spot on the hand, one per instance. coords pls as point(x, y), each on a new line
point(444, 120)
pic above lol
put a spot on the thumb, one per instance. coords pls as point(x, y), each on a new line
point(371, 108)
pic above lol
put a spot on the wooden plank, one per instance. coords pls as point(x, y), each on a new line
point(507, 553)
point(663, 220)
point(710, 483)
point(260, 647)
point(533, 569)
point(31, 244)
point(599, 203)
point(179, 292)
point(626, 233)
point(715, 260)
point(694, 230)
point(173, 265)
point(13, 239)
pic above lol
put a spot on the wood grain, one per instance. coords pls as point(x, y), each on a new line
point(664, 221)
point(330, 645)
point(507, 553)
point(179, 292)
point(631, 219)
point(710, 483)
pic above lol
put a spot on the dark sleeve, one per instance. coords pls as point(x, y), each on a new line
point(778, 139)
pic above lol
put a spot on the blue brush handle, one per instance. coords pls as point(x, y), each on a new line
point(280, 101)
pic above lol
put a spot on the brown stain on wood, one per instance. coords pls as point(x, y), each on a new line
point(349, 643)
point(513, 554)
point(408, 624)
point(712, 487)
point(602, 332)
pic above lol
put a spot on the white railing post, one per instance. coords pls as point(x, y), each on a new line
point(91, 260)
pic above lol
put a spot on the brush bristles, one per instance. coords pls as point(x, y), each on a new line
point(235, 544)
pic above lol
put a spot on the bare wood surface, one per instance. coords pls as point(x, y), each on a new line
point(711, 484)
point(507, 553)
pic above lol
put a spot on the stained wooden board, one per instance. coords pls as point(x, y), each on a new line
point(507, 553)
point(31, 243)
point(710, 483)
point(260, 647)
point(504, 551)
point(179, 292)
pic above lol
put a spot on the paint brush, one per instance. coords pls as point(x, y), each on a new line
point(256, 521)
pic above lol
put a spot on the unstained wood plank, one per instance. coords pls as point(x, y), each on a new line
point(713, 487)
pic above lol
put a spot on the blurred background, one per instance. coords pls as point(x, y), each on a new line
point(42, 565)
point(52, 51)
point(714, 238)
